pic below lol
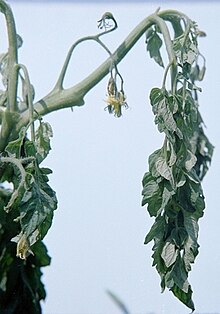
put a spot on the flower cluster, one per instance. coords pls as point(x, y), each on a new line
point(115, 99)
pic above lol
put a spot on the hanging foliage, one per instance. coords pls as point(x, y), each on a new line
point(172, 187)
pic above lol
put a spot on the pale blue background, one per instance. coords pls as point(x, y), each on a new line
point(98, 161)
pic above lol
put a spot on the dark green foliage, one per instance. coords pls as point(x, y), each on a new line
point(26, 213)
point(154, 44)
point(21, 288)
point(172, 187)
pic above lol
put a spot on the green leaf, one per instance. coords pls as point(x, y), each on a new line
point(191, 226)
point(166, 197)
point(157, 229)
point(151, 187)
point(164, 170)
point(40, 252)
point(151, 195)
point(172, 158)
point(29, 149)
point(190, 161)
point(185, 298)
point(43, 135)
point(154, 44)
point(154, 205)
point(36, 209)
point(179, 275)
point(164, 117)
point(152, 160)
point(191, 54)
point(190, 253)
point(14, 148)
point(179, 236)
point(169, 253)
point(156, 95)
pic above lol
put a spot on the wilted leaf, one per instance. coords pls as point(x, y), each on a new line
point(154, 44)
point(14, 148)
point(43, 135)
point(156, 229)
point(150, 188)
point(156, 95)
point(192, 227)
point(179, 236)
point(152, 161)
point(185, 298)
point(190, 253)
point(172, 159)
point(191, 54)
point(169, 253)
point(164, 170)
point(37, 206)
point(190, 161)
point(166, 197)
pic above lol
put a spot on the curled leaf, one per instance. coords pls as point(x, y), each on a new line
point(23, 246)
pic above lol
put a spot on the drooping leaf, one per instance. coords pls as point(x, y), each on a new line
point(179, 236)
point(191, 54)
point(190, 253)
point(185, 298)
point(154, 44)
point(190, 161)
point(169, 253)
point(172, 158)
point(43, 135)
point(166, 197)
point(164, 117)
point(192, 227)
point(164, 170)
point(152, 161)
point(37, 206)
point(14, 148)
point(150, 188)
point(157, 228)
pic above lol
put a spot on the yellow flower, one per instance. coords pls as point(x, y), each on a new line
point(115, 103)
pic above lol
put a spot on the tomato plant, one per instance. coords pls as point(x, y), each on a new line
point(172, 187)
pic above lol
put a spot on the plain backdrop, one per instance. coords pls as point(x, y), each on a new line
point(98, 161)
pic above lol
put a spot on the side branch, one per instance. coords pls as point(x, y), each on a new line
point(74, 96)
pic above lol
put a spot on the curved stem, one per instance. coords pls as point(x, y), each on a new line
point(12, 56)
point(60, 98)
point(169, 48)
point(29, 97)
point(59, 84)
point(165, 75)
point(12, 75)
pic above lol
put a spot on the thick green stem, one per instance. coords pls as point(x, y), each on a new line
point(29, 96)
point(12, 77)
point(169, 48)
point(12, 56)
point(60, 98)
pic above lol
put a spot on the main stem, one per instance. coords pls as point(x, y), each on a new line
point(12, 56)
point(63, 98)
point(11, 107)
point(60, 98)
